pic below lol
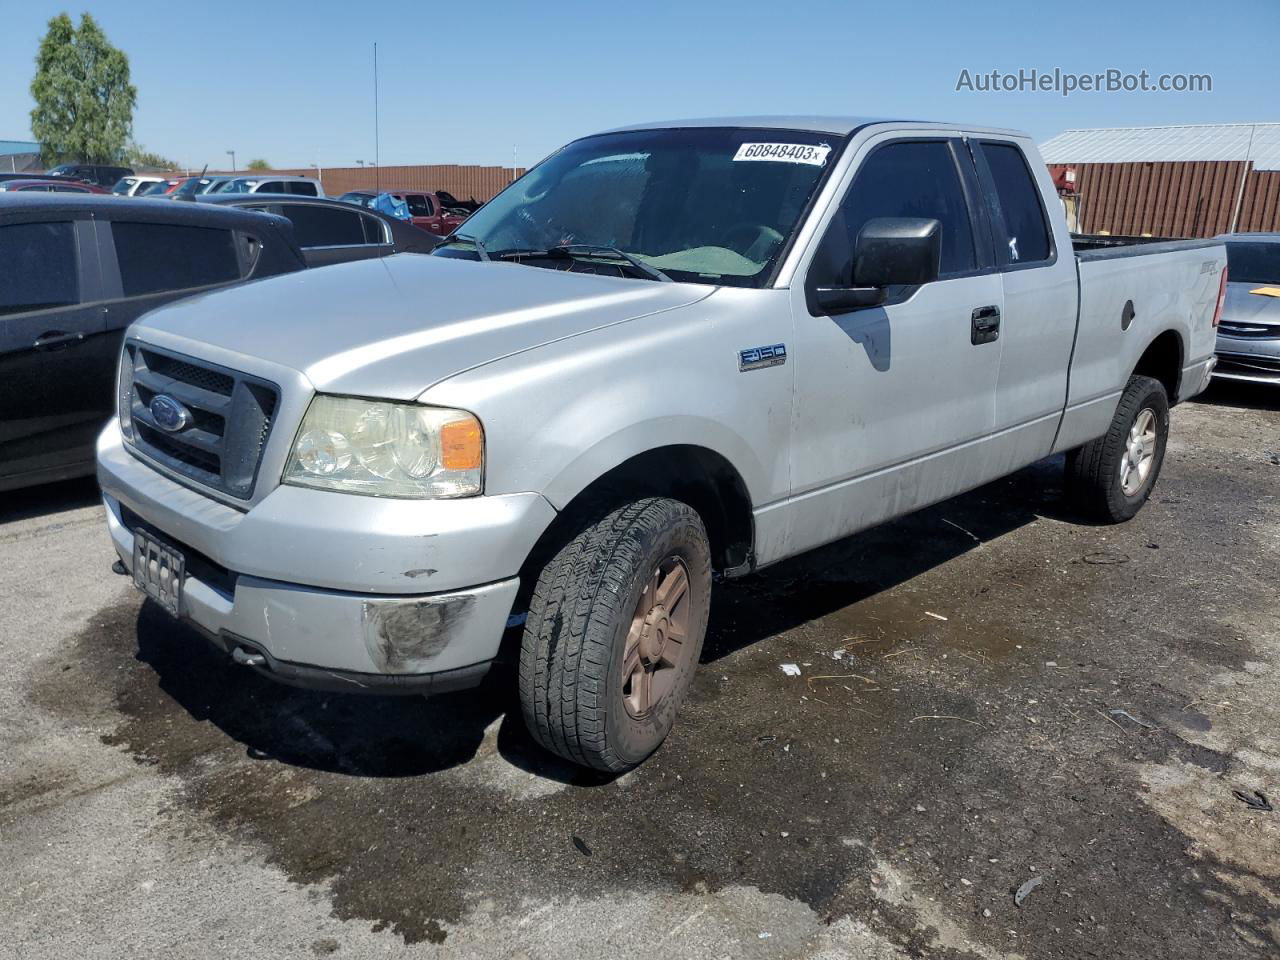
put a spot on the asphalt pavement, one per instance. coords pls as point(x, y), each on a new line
point(1013, 735)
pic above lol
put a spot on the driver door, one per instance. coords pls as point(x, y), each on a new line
point(894, 404)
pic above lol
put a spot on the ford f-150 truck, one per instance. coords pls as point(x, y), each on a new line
point(666, 353)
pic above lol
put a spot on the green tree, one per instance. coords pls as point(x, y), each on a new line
point(136, 155)
point(259, 164)
point(84, 100)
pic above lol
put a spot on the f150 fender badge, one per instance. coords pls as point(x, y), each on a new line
point(757, 358)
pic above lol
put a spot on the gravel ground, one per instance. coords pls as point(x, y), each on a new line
point(967, 743)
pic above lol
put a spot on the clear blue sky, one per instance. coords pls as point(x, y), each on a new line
point(465, 82)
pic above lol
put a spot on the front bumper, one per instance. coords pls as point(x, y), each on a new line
point(1251, 367)
point(326, 588)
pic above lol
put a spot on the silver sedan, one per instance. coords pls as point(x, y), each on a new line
point(1249, 334)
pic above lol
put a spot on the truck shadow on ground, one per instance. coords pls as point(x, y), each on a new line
point(1240, 393)
point(49, 498)
point(387, 737)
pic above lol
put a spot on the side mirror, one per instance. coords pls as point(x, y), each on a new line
point(889, 251)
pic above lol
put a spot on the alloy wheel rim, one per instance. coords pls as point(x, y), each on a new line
point(658, 639)
point(1139, 457)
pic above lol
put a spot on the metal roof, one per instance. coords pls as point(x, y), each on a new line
point(1259, 142)
point(8, 147)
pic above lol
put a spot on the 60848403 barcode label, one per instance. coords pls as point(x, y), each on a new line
point(815, 155)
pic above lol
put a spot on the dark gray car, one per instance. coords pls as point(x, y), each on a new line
point(330, 231)
point(74, 273)
point(1249, 334)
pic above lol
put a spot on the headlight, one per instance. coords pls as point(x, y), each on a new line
point(387, 449)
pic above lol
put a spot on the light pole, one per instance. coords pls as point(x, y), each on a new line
point(232, 155)
point(319, 172)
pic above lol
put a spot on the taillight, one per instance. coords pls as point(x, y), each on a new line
point(1222, 298)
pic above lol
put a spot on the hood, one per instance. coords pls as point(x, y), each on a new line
point(1241, 306)
point(392, 327)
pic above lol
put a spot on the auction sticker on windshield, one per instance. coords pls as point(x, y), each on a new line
point(784, 153)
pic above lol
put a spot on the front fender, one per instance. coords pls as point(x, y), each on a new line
point(616, 448)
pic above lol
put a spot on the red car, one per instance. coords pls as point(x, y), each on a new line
point(435, 212)
point(51, 186)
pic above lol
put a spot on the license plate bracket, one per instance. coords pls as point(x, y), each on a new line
point(159, 571)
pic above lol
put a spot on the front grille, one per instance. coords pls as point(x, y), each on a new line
point(229, 417)
point(1249, 331)
point(1245, 361)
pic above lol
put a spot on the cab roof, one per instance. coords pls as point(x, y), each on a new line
point(839, 125)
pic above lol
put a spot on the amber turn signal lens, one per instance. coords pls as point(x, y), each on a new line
point(461, 445)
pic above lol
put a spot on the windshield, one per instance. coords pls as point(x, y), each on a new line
point(124, 186)
point(707, 205)
point(1253, 262)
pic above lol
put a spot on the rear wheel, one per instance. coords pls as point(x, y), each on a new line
point(615, 629)
point(1111, 478)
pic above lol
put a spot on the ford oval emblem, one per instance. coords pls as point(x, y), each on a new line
point(169, 415)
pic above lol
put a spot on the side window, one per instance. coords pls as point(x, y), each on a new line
point(154, 257)
point(374, 231)
point(316, 226)
point(419, 204)
point(908, 179)
point(272, 186)
point(1026, 236)
point(303, 188)
point(40, 269)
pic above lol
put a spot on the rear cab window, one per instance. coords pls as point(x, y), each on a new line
point(41, 269)
point(419, 204)
point(1022, 230)
point(155, 257)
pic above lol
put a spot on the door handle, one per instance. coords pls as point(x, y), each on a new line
point(984, 325)
point(56, 338)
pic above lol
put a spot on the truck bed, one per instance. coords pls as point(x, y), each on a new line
point(1127, 298)
point(1097, 246)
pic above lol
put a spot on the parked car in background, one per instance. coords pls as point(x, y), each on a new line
point(666, 351)
point(329, 231)
point(163, 187)
point(50, 185)
point(28, 176)
point(1249, 335)
point(273, 183)
point(96, 173)
point(133, 185)
point(426, 208)
point(74, 273)
point(194, 186)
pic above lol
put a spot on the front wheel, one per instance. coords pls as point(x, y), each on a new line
point(1110, 478)
point(615, 629)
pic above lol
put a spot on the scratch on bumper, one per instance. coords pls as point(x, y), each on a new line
point(405, 636)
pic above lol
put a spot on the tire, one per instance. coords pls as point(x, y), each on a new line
point(1096, 472)
point(580, 691)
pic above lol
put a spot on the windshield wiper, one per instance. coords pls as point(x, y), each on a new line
point(589, 250)
point(463, 238)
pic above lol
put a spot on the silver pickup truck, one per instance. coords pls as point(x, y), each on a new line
point(667, 352)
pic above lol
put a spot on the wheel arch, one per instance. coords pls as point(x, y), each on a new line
point(1162, 360)
point(705, 475)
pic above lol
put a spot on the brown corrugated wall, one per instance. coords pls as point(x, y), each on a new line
point(463, 182)
point(1176, 199)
